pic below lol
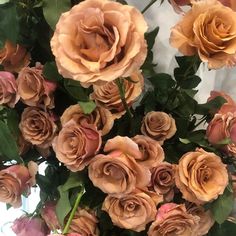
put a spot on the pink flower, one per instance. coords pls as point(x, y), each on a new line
point(25, 226)
point(165, 209)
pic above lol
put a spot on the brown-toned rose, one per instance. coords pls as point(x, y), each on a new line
point(163, 180)
point(14, 57)
point(8, 89)
point(33, 89)
point(208, 29)
point(206, 220)
point(152, 152)
point(222, 128)
point(108, 95)
point(101, 117)
point(173, 219)
point(227, 97)
point(37, 126)
point(98, 41)
point(76, 145)
point(158, 125)
point(14, 181)
point(84, 223)
point(132, 211)
point(118, 172)
point(201, 176)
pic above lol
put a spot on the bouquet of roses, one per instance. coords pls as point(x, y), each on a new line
point(128, 150)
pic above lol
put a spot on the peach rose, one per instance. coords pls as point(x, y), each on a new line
point(163, 180)
point(76, 145)
point(84, 223)
point(14, 181)
point(201, 176)
point(173, 219)
point(33, 89)
point(152, 152)
point(158, 125)
point(37, 127)
point(101, 117)
point(118, 172)
point(108, 95)
point(8, 89)
point(99, 41)
point(132, 211)
point(206, 220)
point(14, 57)
point(209, 30)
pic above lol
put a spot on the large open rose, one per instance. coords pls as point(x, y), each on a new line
point(201, 176)
point(99, 40)
point(209, 30)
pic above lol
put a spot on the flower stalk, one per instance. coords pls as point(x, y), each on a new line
point(148, 6)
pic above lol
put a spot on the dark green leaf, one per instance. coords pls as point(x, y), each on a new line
point(122, 2)
point(151, 37)
point(225, 229)
point(87, 107)
point(190, 82)
point(50, 72)
point(162, 81)
point(13, 123)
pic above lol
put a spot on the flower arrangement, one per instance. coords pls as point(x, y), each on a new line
point(128, 150)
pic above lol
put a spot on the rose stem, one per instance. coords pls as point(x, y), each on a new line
point(66, 229)
point(120, 84)
point(149, 5)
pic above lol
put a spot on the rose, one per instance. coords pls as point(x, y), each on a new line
point(173, 219)
point(222, 129)
point(108, 95)
point(201, 176)
point(98, 41)
point(84, 223)
point(8, 89)
point(71, 234)
point(76, 145)
point(48, 213)
point(208, 29)
point(37, 126)
point(118, 172)
point(158, 125)
point(101, 117)
point(163, 180)
point(13, 57)
point(14, 181)
point(152, 152)
point(132, 211)
point(25, 226)
point(33, 89)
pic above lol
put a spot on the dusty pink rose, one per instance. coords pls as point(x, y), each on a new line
point(26, 226)
point(228, 98)
point(76, 144)
point(98, 41)
point(8, 89)
point(117, 172)
point(14, 57)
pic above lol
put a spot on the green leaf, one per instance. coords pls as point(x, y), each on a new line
point(122, 2)
point(225, 229)
point(13, 123)
point(4, 1)
point(151, 37)
point(52, 10)
point(190, 82)
point(50, 72)
point(162, 81)
point(8, 147)
point(223, 206)
point(87, 107)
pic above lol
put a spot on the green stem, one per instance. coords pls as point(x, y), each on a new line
point(149, 5)
point(200, 122)
point(67, 227)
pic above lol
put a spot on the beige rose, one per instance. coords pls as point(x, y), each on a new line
point(158, 125)
point(201, 176)
point(98, 41)
point(209, 30)
point(132, 211)
point(37, 127)
point(84, 223)
point(163, 180)
point(33, 89)
point(173, 219)
point(108, 95)
point(118, 172)
point(101, 117)
point(8, 89)
point(14, 57)
point(76, 145)
point(206, 220)
point(152, 152)
point(14, 181)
